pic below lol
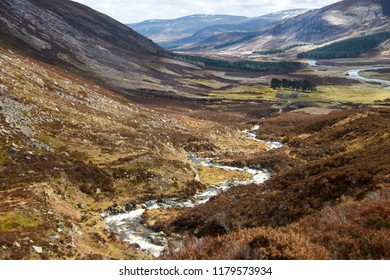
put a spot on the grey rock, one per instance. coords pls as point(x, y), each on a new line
point(37, 249)
point(115, 209)
point(158, 238)
point(13, 151)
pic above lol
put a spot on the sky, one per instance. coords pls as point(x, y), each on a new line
point(131, 11)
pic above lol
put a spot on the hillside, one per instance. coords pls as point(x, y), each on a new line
point(70, 149)
point(86, 42)
point(111, 148)
point(161, 31)
point(198, 30)
point(322, 26)
point(328, 199)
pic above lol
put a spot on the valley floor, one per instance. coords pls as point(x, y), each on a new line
point(72, 150)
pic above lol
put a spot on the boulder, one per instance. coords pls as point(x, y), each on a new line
point(130, 205)
point(37, 249)
point(158, 238)
point(115, 209)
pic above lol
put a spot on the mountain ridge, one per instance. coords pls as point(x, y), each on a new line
point(174, 29)
point(343, 19)
point(186, 29)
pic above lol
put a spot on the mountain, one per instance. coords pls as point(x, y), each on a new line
point(197, 29)
point(337, 21)
point(86, 173)
point(170, 30)
point(71, 150)
point(71, 35)
point(256, 22)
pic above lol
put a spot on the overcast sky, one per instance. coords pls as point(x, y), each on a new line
point(131, 11)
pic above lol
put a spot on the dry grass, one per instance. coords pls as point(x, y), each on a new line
point(250, 244)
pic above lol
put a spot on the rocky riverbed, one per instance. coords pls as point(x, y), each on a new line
point(129, 225)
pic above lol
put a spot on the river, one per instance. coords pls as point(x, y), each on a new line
point(354, 74)
point(129, 225)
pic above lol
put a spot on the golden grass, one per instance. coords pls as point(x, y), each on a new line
point(213, 84)
point(17, 220)
point(246, 92)
point(214, 176)
point(360, 93)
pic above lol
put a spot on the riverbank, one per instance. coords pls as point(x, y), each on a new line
point(330, 190)
point(131, 228)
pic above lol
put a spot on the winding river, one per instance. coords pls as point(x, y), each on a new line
point(129, 225)
point(354, 74)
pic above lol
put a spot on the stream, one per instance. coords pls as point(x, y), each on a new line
point(354, 74)
point(129, 225)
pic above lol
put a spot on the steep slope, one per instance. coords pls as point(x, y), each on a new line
point(331, 191)
point(343, 19)
point(80, 39)
point(70, 149)
point(162, 31)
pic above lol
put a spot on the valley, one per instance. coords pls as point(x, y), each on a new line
point(112, 147)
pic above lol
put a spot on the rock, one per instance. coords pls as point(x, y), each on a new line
point(60, 226)
point(115, 209)
point(13, 151)
point(130, 205)
point(158, 238)
point(80, 206)
point(38, 249)
point(98, 190)
point(149, 204)
point(65, 154)
point(16, 244)
point(76, 229)
point(13, 145)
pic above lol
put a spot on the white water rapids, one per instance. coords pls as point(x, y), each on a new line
point(129, 225)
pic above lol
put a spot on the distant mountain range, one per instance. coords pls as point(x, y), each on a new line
point(195, 28)
point(303, 32)
point(349, 18)
point(169, 30)
point(292, 30)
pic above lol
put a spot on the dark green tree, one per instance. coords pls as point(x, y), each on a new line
point(296, 85)
point(353, 47)
point(276, 83)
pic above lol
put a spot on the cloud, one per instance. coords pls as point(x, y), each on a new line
point(129, 11)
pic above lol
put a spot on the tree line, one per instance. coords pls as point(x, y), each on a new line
point(348, 48)
point(305, 85)
point(275, 51)
point(246, 65)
